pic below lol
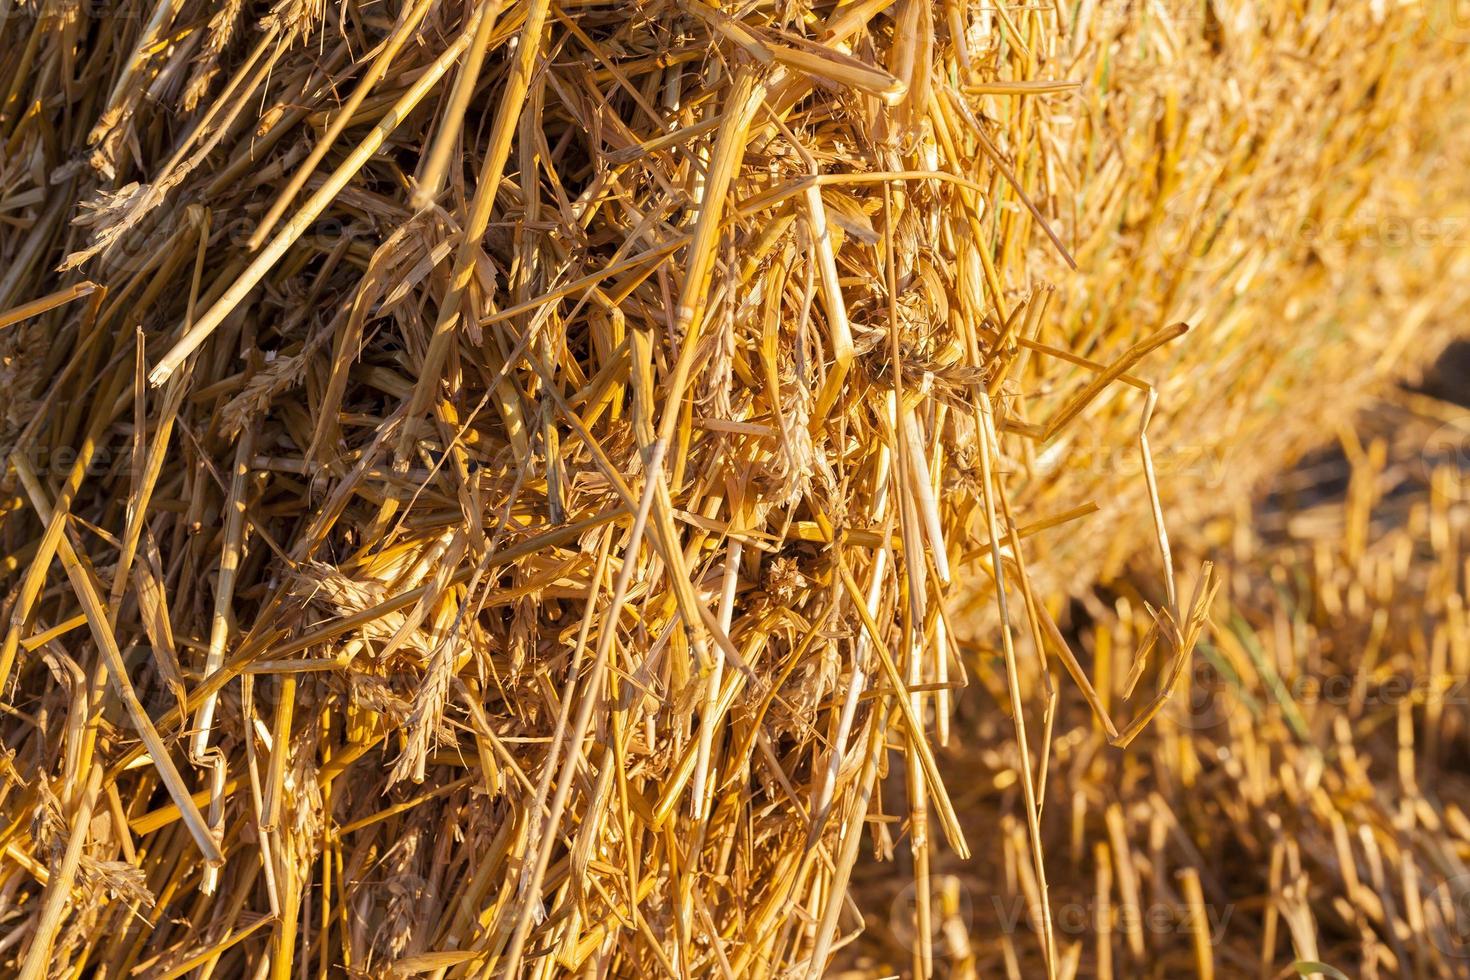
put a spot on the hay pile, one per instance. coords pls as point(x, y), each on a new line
point(1287, 178)
point(483, 479)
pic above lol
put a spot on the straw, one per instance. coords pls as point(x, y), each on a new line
point(504, 488)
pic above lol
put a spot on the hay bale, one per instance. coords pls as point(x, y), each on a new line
point(1289, 183)
point(484, 478)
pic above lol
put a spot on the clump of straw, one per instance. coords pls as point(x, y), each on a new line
point(487, 481)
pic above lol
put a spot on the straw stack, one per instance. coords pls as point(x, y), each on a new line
point(484, 478)
point(1290, 180)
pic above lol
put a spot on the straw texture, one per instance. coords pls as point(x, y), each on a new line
point(494, 488)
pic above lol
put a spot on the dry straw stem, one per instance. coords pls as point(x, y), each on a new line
point(536, 475)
